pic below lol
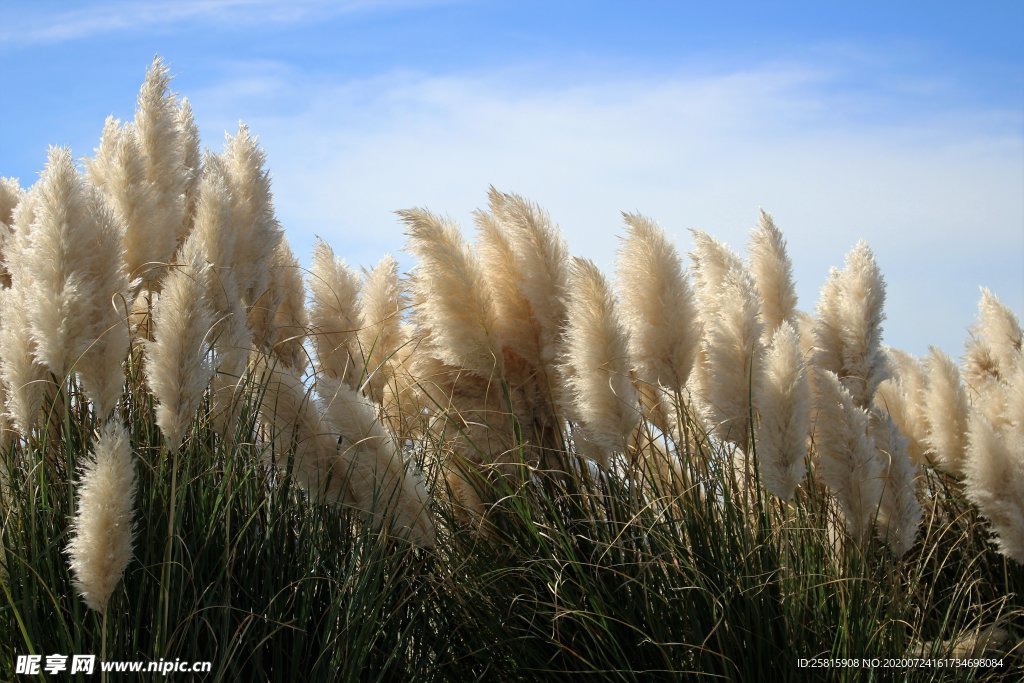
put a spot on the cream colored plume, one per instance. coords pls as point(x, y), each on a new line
point(304, 441)
point(232, 339)
point(381, 334)
point(191, 160)
point(899, 512)
point(518, 329)
point(451, 297)
point(712, 260)
point(773, 275)
point(597, 360)
point(74, 283)
point(849, 326)
point(160, 136)
point(10, 194)
point(119, 171)
point(946, 407)
point(542, 266)
point(101, 542)
point(178, 367)
point(902, 397)
point(278, 319)
point(994, 350)
point(847, 461)
point(733, 353)
point(382, 484)
point(334, 316)
point(992, 357)
point(658, 307)
point(253, 223)
point(994, 477)
point(25, 379)
point(784, 406)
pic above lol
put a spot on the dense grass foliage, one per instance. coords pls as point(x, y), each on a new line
point(570, 572)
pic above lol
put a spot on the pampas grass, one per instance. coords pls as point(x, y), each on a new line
point(902, 397)
point(849, 325)
point(504, 473)
point(658, 308)
point(101, 542)
point(733, 353)
point(382, 484)
point(178, 370)
point(119, 171)
point(784, 407)
point(334, 316)
point(73, 283)
point(453, 304)
point(994, 477)
point(846, 455)
point(157, 128)
point(542, 264)
point(773, 275)
point(381, 335)
point(946, 408)
point(899, 512)
point(597, 360)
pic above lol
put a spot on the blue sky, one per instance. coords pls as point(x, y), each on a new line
point(899, 122)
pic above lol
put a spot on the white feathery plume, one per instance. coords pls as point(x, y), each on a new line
point(334, 317)
point(290, 321)
point(846, 460)
point(381, 334)
point(101, 542)
point(945, 407)
point(519, 331)
point(305, 442)
point(773, 275)
point(74, 281)
point(255, 227)
point(542, 263)
point(899, 512)
point(381, 483)
point(993, 354)
point(732, 356)
point(232, 340)
point(994, 478)
point(902, 397)
point(658, 307)
point(712, 260)
point(596, 363)
point(10, 194)
point(102, 364)
point(178, 368)
point(278, 319)
point(191, 160)
point(995, 347)
point(119, 171)
point(451, 295)
point(24, 378)
point(849, 327)
point(159, 134)
point(784, 406)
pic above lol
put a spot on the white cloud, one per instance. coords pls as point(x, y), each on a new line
point(939, 197)
point(35, 26)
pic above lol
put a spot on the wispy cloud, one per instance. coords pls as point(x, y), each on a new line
point(38, 24)
point(937, 196)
